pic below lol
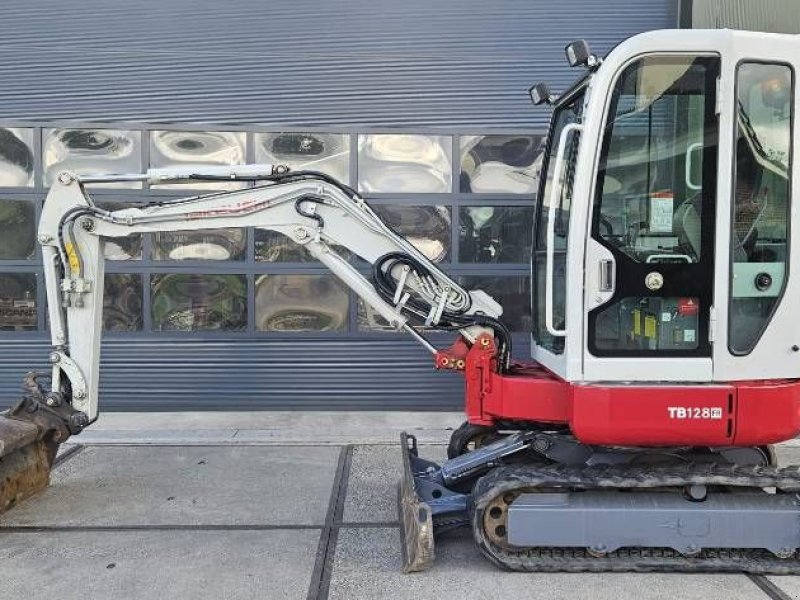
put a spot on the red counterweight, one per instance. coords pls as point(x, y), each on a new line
point(741, 413)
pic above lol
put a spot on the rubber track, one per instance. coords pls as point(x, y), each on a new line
point(578, 560)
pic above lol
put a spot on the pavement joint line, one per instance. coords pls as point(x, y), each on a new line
point(66, 455)
point(226, 444)
point(366, 524)
point(768, 587)
point(329, 537)
point(118, 528)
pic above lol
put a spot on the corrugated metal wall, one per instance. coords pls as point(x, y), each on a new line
point(316, 62)
point(776, 16)
point(164, 373)
point(454, 64)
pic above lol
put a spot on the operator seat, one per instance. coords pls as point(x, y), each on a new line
point(686, 223)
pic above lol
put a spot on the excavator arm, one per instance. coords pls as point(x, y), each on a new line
point(310, 208)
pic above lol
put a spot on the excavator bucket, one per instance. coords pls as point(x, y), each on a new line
point(30, 433)
point(25, 461)
point(416, 521)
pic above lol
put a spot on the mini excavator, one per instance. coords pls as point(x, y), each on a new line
point(665, 343)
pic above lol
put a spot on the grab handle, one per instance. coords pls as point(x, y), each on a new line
point(688, 167)
point(555, 193)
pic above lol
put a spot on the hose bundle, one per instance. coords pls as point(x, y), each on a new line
point(418, 310)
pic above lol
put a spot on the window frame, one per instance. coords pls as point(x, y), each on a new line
point(578, 91)
point(733, 171)
point(146, 266)
point(707, 256)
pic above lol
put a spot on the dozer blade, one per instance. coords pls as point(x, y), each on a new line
point(25, 461)
point(416, 521)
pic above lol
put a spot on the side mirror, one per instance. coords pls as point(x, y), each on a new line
point(578, 54)
point(540, 94)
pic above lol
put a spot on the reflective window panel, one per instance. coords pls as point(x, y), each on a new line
point(123, 248)
point(170, 148)
point(397, 163)
point(95, 151)
point(368, 319)
point(762, 209)
point(210, 244)
point(16, 157)
point(275, 247)
point(495, 234)
point(17, 230)
point(301, 303)
point(325, 152)
point(500, 163)
point(427, 227)
point(513, 293)
point(17, 301)
point(122, 302)
point(188, 302)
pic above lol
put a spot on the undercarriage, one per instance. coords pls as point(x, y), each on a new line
point(539, 500)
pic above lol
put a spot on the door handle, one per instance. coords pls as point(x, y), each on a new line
point(555, 193)
point(688, 167)
point(606, 278)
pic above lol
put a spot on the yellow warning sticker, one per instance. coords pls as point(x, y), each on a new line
point(637, 329)
point(72, 257)
point(649, 326)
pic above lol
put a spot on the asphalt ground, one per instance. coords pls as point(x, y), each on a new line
point(272, 505)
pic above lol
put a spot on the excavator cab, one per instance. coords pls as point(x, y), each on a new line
point(661, 248)
point(663, 328)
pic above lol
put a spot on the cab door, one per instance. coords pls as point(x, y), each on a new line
point(552, 231)
point(649, 262)
point(758, 331)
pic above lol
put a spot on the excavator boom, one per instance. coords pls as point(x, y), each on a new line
point(310, 208)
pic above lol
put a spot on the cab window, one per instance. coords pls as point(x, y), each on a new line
point(760, 204)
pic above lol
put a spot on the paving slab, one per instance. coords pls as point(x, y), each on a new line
point(114, 486)
point(374, 475)
point(788, 454)
point(156, 564)
point(789, 585)
point(367, 566)
point(269, 427)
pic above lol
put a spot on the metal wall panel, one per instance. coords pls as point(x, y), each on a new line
point(776, 16)
point(192, 373)
point(459, 65)
point(380, 63)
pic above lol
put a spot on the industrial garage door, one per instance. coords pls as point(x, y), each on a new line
point(422, 105)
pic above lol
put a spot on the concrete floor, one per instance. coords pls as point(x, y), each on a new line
point(253, 507)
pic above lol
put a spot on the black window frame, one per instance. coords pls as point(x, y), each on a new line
point(578, 89)
point(704, 347)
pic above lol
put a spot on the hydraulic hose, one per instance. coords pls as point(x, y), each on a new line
point(386, 287)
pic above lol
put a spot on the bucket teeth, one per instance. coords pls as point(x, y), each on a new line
point(416, 520)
